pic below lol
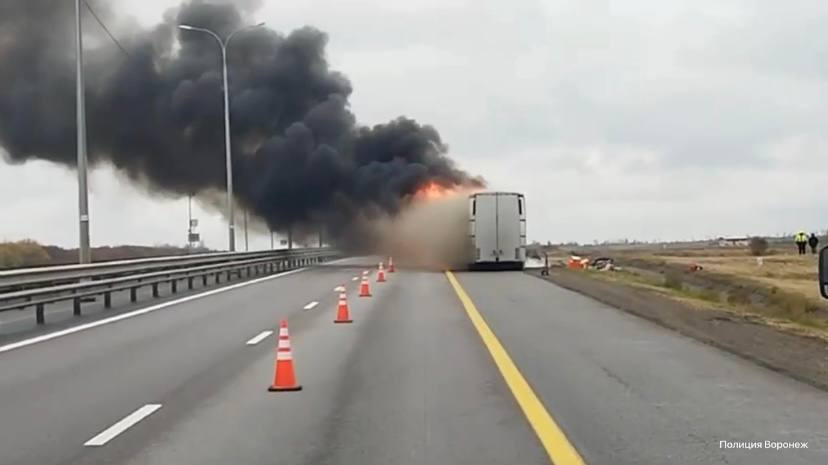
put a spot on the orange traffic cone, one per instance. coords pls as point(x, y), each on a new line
point(342, 313)
point(365, 288)
point(284, 379)
point(391, 268)
point(380, 274)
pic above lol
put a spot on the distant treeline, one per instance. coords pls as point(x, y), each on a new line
point(28, 253)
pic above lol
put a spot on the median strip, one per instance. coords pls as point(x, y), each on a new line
point(130, 420)
point(553, 439)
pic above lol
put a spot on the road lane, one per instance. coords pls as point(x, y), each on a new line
point(407, 383)
point(626, 391)
point(56, 395)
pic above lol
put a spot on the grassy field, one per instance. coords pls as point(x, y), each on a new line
point(29, 253)
point(781, 291)
point(794, 273)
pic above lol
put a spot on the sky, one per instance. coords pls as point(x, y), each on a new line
point(636, 119)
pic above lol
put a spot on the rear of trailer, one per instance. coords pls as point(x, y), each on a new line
point(497, 229)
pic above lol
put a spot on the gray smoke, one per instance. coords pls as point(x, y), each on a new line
point(301, 161)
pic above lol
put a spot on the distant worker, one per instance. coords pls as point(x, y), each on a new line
point(813, 241)
point(801, 240)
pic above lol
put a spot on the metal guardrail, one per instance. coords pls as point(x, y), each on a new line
point(27, 278)
point(124, 276)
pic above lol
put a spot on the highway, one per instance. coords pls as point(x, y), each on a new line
point(414, 380)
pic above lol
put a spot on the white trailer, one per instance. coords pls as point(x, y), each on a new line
point(497, 229)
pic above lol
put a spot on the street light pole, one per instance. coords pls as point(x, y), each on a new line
point(227, 149)
point(84, 254)
point(246, 249)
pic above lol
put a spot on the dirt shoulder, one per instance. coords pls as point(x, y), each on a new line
point(798, 356)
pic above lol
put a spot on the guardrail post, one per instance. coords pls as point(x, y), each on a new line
point(204, 280)
point(39, 315)
point(133, 294)
point(174, 285)
point(76, 306)
point(107, 299)
point(190, 283)
point(218, 277)
point(228, 275)
point(155, 289)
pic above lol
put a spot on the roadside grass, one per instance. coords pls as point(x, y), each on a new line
point(780, 307)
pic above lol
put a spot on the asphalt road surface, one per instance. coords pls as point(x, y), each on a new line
point(414, 380)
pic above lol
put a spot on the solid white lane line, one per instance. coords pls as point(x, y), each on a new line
point(259, 338)
point(124, 316)
point(311, 305)
point(123, 425)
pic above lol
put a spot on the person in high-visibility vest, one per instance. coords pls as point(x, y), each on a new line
point(801, 240)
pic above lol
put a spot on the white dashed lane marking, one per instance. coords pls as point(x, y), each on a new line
point(259, 338)
point(123, 425)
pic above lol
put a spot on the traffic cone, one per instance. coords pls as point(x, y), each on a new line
point(365, 288)
point(391, 268)
point(342, 313)
point(380, 274)
point(284, 379)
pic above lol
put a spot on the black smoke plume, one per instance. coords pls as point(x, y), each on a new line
point(301, 161)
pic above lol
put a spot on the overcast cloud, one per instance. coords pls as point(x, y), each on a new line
point(628, 119)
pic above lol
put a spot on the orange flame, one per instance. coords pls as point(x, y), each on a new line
point(432, 191)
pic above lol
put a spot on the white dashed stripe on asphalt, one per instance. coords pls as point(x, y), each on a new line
point(123, 425)
point(259, 338)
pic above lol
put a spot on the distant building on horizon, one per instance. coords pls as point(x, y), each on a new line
point(733, 241)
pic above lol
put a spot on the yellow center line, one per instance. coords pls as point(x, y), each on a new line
point(560, 450)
